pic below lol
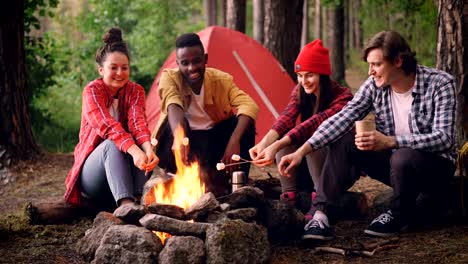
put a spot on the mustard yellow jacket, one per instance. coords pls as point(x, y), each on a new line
point(221, 96)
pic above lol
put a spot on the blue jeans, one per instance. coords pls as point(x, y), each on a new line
point(109, 175)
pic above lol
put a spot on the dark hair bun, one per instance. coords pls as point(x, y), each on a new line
point(113, 35)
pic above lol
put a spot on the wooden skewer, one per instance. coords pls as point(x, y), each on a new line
point(237, 163)
point(222, 166)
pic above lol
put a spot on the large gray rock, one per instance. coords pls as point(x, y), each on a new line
point(88, 245)
point(244, 197)
point(202, 206)
point(234, 241)
point(183, 250)
point(282, 220)
point(244, 214)
point(128, 244)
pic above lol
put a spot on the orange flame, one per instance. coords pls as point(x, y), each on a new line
point(185, 188)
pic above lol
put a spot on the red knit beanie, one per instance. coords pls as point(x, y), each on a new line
point(313, 58)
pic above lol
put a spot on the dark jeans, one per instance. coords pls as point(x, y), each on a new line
point(408, 171)
point(207, 147)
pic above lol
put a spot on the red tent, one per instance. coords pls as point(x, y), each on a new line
point(254, 68)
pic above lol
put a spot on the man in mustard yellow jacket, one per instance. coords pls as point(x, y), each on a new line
point(201, 101)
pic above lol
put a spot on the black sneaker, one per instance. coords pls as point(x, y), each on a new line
point(316, 229)
point(385, 225)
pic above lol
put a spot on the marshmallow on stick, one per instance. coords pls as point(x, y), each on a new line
point(220, 166)
point(154, 142)
point(185, 141)
point(235, 157)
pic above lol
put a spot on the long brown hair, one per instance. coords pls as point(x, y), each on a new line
point(308, 102)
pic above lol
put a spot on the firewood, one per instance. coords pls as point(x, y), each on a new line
point(50, 212)
point(173, 226)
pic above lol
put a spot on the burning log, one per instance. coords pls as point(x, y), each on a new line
point(168, 210)
point(130, 213)
point(173, 226)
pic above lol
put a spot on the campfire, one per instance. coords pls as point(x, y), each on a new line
point(231, 229)
point(185, 187)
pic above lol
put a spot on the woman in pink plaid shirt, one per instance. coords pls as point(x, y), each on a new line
point(114, 150)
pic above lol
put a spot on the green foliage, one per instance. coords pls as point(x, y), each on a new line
point(61, 62)
point(41, 7)
point(416, 20)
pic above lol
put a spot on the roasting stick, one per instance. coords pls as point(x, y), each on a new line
point(154, 142)
point(222, 166)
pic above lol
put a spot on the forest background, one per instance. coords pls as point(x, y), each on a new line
point(61, 38)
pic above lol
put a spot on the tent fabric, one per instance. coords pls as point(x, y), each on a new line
point(254, 68)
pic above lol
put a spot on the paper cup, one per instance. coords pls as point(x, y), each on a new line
point(364, 126)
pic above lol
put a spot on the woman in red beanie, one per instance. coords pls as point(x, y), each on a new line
point(315, 98)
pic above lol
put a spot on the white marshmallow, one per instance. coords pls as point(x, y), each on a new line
point(154, 142)
point(235, 157)
point(220, 166)
point(185, 141)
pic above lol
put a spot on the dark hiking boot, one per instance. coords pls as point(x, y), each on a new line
point(316, 229)
point(386, 225)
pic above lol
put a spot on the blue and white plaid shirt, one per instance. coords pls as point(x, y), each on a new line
point(431, 120)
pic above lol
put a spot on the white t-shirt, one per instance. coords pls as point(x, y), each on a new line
point(401, 107)
point(196, 115)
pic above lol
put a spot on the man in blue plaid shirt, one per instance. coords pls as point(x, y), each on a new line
point(413, 148)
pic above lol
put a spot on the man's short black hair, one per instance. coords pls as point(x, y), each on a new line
point(189, 40)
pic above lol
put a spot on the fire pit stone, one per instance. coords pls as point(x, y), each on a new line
point(87, 245)
point(128, 244)
point(234, 241)
point(183, 250)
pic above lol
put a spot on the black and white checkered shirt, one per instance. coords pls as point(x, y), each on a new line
point(431, 120)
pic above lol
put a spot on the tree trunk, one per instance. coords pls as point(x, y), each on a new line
point(210, 12)
point(452, 56)
point(16, 139)
point(357, 25)
point(317, 20)
point(259, 20)
point(235, 14)
point(223, 13)
point(335, 19)
point(350, 25)
point(305, 24)
point(283, 22)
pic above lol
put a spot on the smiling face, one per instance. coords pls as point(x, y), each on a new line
point(115, 70)
point(309, 81)
point(192, 64)
point(383, 71)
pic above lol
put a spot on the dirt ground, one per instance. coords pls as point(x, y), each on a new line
point(43, 179)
